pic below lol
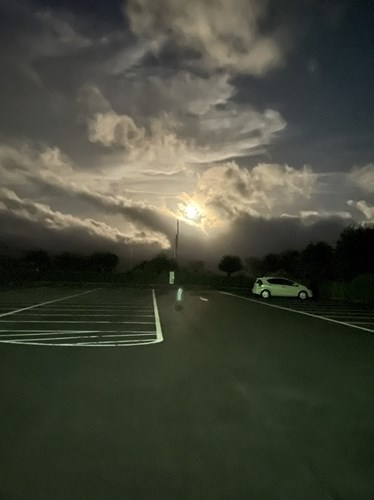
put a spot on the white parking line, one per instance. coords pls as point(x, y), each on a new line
point(130, 312)
point(78, 321)
point(363, 322)
point(48, 302)
point(299, 312)
point(159, 336)
point(15, 339)
point(94, 308)
point(98, 333)
point(338, 312)
point(92, 305)
point(344, 317)
point(89, 315)
point(97, 309)
point(20, 339)
point(87, 344)
point(119, 342)
point(344, 313)
point(61, 332)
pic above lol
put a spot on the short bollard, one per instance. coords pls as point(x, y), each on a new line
point(179, 299)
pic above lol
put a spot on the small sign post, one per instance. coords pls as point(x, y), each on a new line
point(179, 299)
point(171, 277)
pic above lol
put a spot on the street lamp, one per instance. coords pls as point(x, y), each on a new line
point(190, 212)
point(176, 242)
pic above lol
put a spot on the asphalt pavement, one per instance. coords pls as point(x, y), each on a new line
point(225, 399)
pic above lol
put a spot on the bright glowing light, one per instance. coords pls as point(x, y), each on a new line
point(191, 212)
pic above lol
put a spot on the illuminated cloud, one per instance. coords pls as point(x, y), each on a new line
point(310, 217)
point(230, 190)
point(170, 139)
point(53, 174)
point(365, 208)
point(184, 90)
point(111, 129)
point(222, 34)
point(364, 177)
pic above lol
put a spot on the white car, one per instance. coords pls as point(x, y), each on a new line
point(280, 287)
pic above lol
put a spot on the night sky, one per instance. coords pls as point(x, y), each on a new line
point(117, 116)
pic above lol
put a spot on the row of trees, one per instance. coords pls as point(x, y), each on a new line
point(345, 271)
point(353, 255)
point(316, 263)
point(40, 262)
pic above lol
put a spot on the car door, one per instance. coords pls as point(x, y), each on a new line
point(276, 288)
point(288, 288)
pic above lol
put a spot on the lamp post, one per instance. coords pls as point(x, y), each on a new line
point(176, 242)
point(191, 212)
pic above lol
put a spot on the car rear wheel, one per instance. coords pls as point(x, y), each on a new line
point(303, 295)
point(265, 294)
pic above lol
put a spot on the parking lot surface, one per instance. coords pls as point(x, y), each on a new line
point(86, 318)
point(360, 316)
point(239, 401)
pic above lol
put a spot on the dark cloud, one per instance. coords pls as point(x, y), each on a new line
point(328, 117)
point(256, 236)
point(26, 224)
point(33, 235)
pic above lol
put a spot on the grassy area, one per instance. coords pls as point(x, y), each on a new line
point(360, 289)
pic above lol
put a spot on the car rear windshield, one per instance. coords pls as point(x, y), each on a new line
point(259, 282)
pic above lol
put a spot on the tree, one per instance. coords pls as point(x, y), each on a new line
point(38, 259)
point(317, 261)
point(254, 265)
point(354, 252)
point(230, 264)
point(290, 262)
point(67, 261)
point(159, 264)
point(272, 263)
point(317, 265)
point(103, 262)
point(196, 266)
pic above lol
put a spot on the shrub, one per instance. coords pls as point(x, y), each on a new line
point(361, 288)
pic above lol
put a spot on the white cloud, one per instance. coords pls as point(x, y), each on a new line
point(190, 93)
point(53, 160)
point(28, 158)
point(364, 177)
point(309, 217)
point(224, 33)
point(157, 144)
point(173, 140)
point(235, 131)
point(111, 129)
point(365, 208)
point(228, 190)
